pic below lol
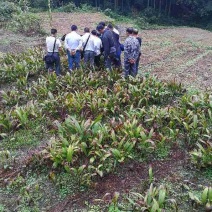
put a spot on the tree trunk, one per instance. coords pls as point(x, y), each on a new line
point(166, 7)
point(160, 6)
point(148, 3)
point(170, 7)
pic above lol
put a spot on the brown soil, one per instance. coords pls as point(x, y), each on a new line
point(183, 54)
point(129, 176)
point(63, 21)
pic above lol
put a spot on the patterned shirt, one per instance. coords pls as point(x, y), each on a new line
point(131, 48)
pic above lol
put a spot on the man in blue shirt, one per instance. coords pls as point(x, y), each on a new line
point(108, 46)
point(73, 45)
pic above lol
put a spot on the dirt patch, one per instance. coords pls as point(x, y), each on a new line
point(63, 21)
point(179, 53)
point(129, 176)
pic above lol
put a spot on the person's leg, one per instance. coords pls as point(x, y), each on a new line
point(97, 61)
point(108, 63)
point(133, 69)
point(77, 59)
point(126, 68)
point(70, 61)
point(86, 57)
point(57, 65)
point(92, 55)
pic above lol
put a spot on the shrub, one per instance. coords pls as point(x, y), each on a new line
point(151, 15)
point(7, 9)
point(26, 23)
point(67, 8)
point(39, 4)
point(86, 8)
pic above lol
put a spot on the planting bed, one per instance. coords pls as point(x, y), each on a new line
point(93, 141)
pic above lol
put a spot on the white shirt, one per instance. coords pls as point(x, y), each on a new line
point(73, 41)
point(115, 30)
point(50, 44)
point(90, 44)
point(97, 45)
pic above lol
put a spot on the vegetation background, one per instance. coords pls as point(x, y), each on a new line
point(92, 141)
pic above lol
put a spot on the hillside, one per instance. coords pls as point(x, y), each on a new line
point(180, 54)
point(93, 141)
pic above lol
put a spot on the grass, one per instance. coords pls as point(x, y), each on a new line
point(28, 137)
point(114, 106)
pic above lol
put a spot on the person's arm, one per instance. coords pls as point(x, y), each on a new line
point(66, 43)
point(106, 45)
point(59, 45)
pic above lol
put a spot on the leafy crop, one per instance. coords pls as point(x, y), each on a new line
point(97, 121)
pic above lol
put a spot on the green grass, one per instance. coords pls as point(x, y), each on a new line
point(29, 137)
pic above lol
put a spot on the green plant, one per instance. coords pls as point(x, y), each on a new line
point(202, 156)
point(68, 8)
point(7, 10)
point(205, 198)
point(26, 23)
point(154, 200)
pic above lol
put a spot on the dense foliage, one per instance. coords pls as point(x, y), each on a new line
point(95, 121)
point(188, 11)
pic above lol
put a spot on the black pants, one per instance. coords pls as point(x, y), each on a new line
point(56, 65)
point(97, 60)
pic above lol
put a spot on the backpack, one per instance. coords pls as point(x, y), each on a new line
point(63, 37)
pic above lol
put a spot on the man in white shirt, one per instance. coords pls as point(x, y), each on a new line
point(73, 45)
point(53, 47)
point(97, 47)
point(88, 47)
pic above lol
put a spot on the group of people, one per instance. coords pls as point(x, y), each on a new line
point(104, 41)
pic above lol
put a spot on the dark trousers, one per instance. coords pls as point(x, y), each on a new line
point(89, 58)
point(110, 60)
point(129, 69)
point(56, 65)
point(97, 61)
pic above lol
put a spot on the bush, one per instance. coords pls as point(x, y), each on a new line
point(86, 8)
point(68, 8)
point(26, 23)
point(151, 15)
point(7, 9)
point(39, 4)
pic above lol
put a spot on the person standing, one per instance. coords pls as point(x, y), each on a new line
point(135, 34)
point(73, 45)
point(88, 47)
point(97, 47)
point(131, 53)
point(53, 46)
point(108, 46)
point(117, 61)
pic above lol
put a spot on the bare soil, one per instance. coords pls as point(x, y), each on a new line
point(129, 176)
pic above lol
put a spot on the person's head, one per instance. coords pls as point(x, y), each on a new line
point(100, 28)
point(53, 31)
point(102, 23)
point(94, 32)
point(110, 26)
point(73, 28)
point(86, 30)
point(129, 31)
point(135, 32)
